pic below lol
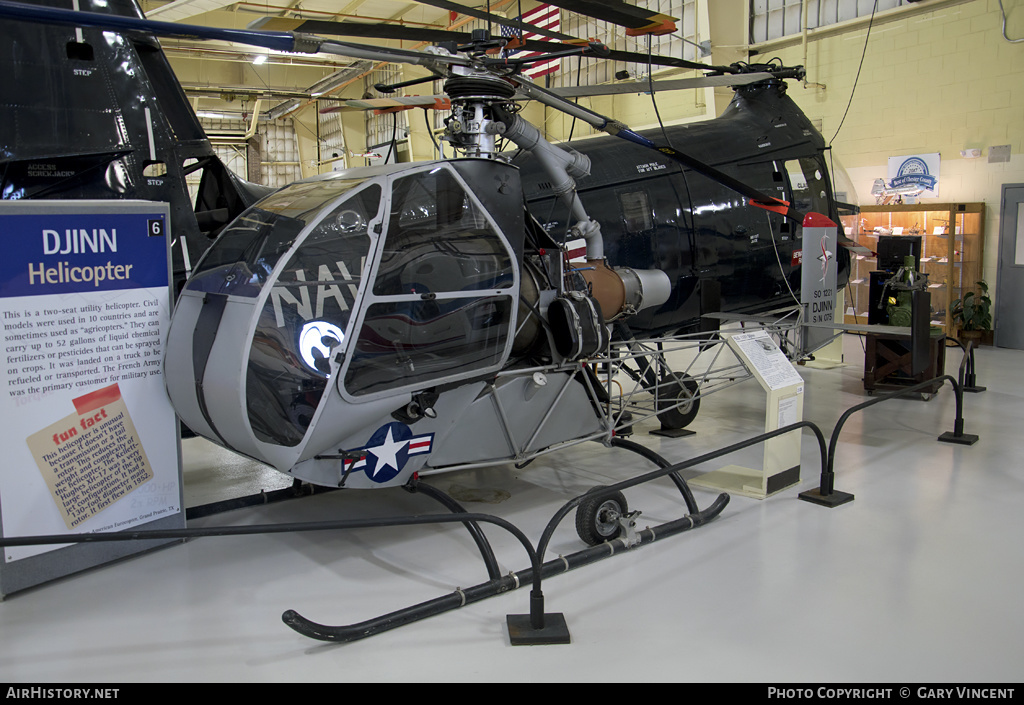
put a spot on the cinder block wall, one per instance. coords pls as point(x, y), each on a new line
point(938, 78)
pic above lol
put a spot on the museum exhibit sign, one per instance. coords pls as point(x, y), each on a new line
point(90, 439)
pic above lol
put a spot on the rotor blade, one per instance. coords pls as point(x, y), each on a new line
point(407, 56)
point(552, 49)
point(357, 29)
point(658, 86)
point(755, 197)
point(639, 58)
point(279, 41)
point(548, 97)
point(638, 19)
point(434, 36)
point(534, 45)
point(497, 19)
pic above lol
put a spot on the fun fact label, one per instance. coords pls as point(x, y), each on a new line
point(91, 458)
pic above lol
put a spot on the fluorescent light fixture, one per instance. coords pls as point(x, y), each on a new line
point(213, 115)
point(260, 59)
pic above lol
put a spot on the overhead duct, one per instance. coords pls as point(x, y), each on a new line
point(322, 86)
point(235, 136)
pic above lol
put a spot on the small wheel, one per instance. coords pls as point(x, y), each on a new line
point(672, 390)
point(597, 518)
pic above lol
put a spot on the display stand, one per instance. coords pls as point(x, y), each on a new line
point(889, 364)
point(829, 356)
point(819, 297)
point(785, 401)
point(90, 438)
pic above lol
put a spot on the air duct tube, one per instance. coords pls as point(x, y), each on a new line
point(560, 166)
point(621, 291)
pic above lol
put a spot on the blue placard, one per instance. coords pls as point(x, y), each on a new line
point(85, 301)
point(58, 253)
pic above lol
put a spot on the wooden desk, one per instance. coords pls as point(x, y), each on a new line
point(887, 362)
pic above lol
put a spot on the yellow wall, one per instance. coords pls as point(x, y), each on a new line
point(937, 78)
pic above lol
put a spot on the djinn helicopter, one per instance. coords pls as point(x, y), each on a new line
point(354, 328)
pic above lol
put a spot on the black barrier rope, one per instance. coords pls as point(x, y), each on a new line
point(538, 569)
point(826, 493)
point(968, 378)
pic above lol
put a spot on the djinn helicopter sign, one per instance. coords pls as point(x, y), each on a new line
point(354, 328)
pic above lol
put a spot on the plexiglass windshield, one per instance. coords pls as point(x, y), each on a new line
point(241, 260)
point(306, 316)
point(441, 303)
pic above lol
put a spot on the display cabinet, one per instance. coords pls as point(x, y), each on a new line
point(952, 237)
point(860, 266)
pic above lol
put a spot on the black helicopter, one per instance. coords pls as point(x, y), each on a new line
point(357, 327)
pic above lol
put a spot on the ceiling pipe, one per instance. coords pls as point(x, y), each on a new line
point(237, 137)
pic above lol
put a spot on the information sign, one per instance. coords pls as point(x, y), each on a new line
point(784, 406)
point(90, 438)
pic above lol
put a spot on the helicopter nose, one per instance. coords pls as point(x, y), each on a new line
point(206, 358)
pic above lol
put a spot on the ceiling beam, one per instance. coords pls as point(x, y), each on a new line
point(179, 10)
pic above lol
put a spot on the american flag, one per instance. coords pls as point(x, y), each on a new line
point(546, 16)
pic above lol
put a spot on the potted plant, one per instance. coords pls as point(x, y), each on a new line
point(972, 314)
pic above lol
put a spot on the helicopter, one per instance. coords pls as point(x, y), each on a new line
point(354, 328)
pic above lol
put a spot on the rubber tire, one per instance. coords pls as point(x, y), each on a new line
point(597, 517)
point(670, 392)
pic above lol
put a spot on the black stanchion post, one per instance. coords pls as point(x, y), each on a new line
point(537, 628)
point(957, 435)
point(970, 383)
point(826, 495)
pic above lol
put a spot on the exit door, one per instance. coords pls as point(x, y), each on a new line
point(1009, 311)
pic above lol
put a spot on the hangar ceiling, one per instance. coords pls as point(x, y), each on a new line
point(225, 76)
point(237, 90)
point(230, 77)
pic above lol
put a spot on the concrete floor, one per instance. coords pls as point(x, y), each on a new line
point(915, 581)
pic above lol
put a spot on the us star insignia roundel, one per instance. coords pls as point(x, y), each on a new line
point(388, 450)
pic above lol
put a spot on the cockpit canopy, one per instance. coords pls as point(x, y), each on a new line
point(386, 283)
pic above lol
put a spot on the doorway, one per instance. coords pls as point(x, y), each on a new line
point(1009, 308)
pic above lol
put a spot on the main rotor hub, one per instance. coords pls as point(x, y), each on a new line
point(473, 126)
point(479, 87)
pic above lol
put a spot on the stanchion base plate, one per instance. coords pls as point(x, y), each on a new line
point(522, 633)
point(975, 389)
point(672, 432)
point(826, 500)
point(964, 439)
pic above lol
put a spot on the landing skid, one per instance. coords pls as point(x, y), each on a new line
point(537, 627)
